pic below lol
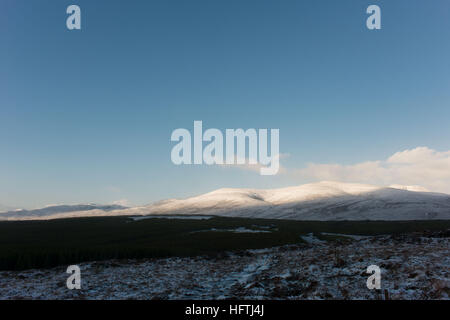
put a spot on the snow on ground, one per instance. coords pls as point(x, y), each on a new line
point(236, 230)
point(171, 217)
point(414, 266)
point(309, 238)
point(355, 237)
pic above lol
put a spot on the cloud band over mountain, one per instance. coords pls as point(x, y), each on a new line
point(420, 166)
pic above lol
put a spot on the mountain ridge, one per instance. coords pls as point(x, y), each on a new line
point(326, 200)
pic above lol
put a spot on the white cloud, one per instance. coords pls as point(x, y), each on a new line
point(420, 166)
point(122, 202)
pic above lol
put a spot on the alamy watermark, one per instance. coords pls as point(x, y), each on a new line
point(236, 147)
point(374, 281)
point(73, 21)
point(74, 281)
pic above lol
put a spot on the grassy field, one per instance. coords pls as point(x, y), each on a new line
point(42, 244)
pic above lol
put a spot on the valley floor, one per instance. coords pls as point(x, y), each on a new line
point(414, 266)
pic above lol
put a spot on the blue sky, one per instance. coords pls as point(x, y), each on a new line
point(86, 116)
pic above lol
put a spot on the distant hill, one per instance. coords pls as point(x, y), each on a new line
point(59, 211)
point(5, 208)
point(317, 201)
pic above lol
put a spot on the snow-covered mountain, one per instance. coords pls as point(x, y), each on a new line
point(59, 211)
point(316, 201)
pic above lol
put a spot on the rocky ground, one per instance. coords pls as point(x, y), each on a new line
point(414, 266)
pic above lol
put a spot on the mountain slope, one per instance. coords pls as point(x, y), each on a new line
point(59, 211)
point(316, 201)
